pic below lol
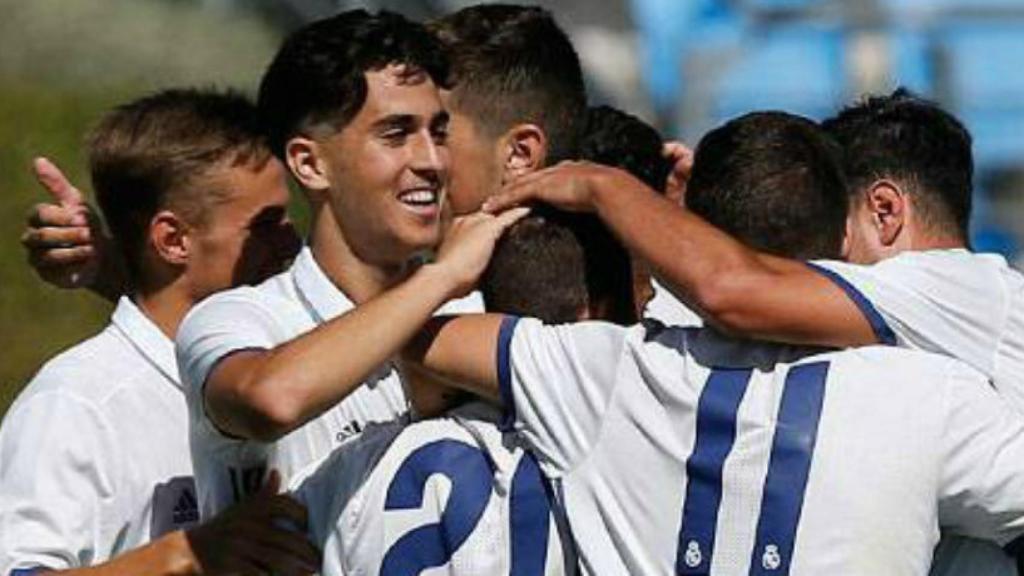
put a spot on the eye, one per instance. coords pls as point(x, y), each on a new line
point(439, 134)
point(394, 136)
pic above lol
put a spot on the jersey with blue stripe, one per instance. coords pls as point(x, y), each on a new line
point(450, 496)
point(678, 451)
point(955, 302)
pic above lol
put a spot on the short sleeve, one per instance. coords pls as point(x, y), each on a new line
point(981, 484)
point(225, 323)
point(949, 305)
point(556, 383)
point(59, 485)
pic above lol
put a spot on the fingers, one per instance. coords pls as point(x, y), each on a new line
point(272, 485)
point(56, 215)
point(50, 237)
point(511, 216)
point(60, 257)
point(56, 183)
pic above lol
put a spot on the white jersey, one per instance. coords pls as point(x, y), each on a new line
point(667, 309)
point(955, 302)
point(676, 451)
point(447, 494)
point(94, 457)
point(262, 317)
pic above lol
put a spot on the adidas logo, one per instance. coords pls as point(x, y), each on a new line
point(186, 510)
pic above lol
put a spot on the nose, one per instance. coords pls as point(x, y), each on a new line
point(429, 158)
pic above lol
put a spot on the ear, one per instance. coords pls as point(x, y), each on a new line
point(524, 150)
point(304, 157)
point(169, 237)
point(887, 204)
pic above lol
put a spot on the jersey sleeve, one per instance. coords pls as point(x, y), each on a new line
point(927, 302)
point(556, 383)
point(219, 326)
point(59, 484)
point(981, 483)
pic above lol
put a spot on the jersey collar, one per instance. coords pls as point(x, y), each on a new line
point(322, 298)
point(157, 348)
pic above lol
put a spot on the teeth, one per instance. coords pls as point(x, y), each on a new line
point(419, 197)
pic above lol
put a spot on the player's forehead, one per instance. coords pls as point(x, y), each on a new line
point(399, 90)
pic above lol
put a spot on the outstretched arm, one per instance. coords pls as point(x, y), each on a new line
point(264, 394)
point(734, 288)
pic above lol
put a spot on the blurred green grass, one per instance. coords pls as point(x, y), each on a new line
point(62, 64)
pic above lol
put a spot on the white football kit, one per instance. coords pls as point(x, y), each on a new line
point(676, 451)
point(447, 494)
point(94, 457)
point(955, 302)
point(262, 317)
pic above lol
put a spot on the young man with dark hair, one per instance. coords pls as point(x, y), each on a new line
point(516, 96)
point(752, 444)
point(281, 373)
point(95, 474)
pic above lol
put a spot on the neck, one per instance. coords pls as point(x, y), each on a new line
point(165, 306)
point(927, 242)
point(356, 278)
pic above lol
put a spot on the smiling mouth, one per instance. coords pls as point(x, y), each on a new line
point(420, 198)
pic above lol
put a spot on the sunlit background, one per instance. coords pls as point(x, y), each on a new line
point(684, 65)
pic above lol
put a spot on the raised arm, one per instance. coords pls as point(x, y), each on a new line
point(264, 394)
point(734, 288)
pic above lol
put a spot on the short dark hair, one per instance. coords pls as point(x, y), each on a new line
point(319, 74)
point(773, 180)
point(918, 145)
point(152, 154)
point(513, 64)
point(614, 138)
point(553, 265)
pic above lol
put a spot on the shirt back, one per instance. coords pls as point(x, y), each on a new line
point(676, 451)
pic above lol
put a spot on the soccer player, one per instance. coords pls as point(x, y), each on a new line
point(95, 474)
point(681, 451)
point(281, 373)
point(554, 267)
point(373, 509)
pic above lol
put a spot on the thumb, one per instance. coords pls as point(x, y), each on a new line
point(56, 183)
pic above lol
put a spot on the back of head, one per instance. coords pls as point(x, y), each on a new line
point(774, 181)
point(153, 154)
point(615, 138)
point(318, 76)
point(560, 268)
point(916, 144)
point(513, 65)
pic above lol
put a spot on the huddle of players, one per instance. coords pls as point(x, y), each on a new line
point(648, 448)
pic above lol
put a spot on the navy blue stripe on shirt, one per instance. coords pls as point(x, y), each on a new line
point(28, 571)
point(883, 333)
point(716, 432)
point(796, 432)
point(503, 357)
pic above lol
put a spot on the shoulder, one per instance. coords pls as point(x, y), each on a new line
point(90, 371)
point(904, 366)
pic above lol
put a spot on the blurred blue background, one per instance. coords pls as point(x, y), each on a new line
point(683, 65)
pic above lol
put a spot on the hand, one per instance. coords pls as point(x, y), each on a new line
point(467, 246)
point(681, 158)
point(568, 186)
point(64, 239)
point(248, 538)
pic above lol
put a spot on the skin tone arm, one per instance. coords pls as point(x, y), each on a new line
point(459, 349)
point(736, 289)
point(265, 394)
point(241, 540)
point(65, 242)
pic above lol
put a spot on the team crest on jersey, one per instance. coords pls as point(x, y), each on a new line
point(693, 556)
point(771, 559)
point(174, 506)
